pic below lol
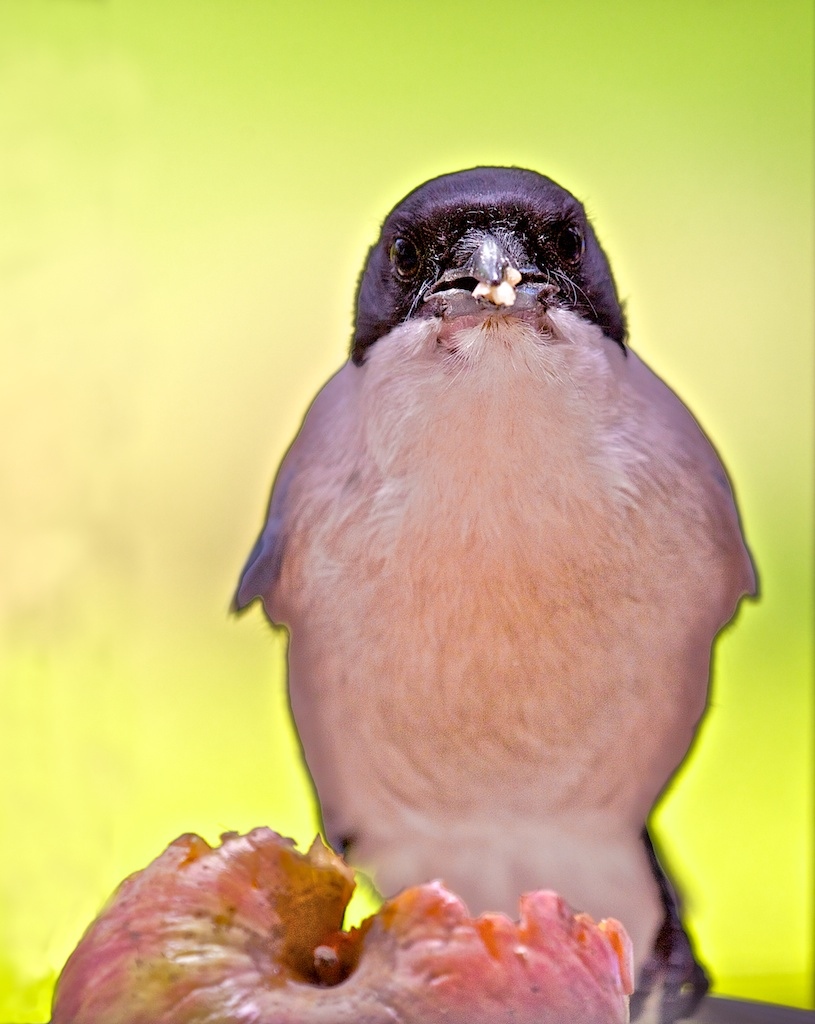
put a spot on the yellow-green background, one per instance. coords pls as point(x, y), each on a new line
point(187, 189)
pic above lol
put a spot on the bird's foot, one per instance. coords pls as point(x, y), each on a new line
point(672, 982)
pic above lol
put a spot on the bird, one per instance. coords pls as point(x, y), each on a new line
point(502, 548)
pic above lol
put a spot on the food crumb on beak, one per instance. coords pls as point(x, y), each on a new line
point(502, 294)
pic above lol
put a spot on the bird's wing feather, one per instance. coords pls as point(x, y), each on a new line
point(714, 487)
point(262, 569)
point(307, 453)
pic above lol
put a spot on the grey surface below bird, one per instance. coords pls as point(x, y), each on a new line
point(503, 549)
point(737, 1011)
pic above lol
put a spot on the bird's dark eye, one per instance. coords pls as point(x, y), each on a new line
point(405, 258)
point(569, 243)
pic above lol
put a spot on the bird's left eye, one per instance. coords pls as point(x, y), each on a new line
point(405, 257)
point(569, 243)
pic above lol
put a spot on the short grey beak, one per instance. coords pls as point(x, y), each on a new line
point(489, 262)
point(495, 273)
point(489, 273)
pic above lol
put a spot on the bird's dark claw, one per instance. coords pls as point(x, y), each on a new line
point(671, 977)
point(672, 981)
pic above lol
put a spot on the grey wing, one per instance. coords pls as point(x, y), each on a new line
point(308, 457)
point(716, 493)
point(262, 569)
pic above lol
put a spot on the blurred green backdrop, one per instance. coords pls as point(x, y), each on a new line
point(187, 190)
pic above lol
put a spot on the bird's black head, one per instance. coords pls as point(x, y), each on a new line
point(486, 228)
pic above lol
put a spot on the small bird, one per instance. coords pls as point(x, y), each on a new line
point(503, 549)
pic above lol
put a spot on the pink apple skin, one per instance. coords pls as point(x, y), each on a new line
point(250, 933)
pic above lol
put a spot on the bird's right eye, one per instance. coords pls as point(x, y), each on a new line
point(405, 258)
